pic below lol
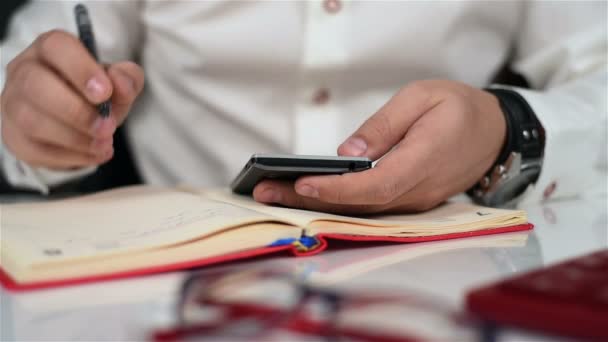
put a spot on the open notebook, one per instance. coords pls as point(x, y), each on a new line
point(141, 230)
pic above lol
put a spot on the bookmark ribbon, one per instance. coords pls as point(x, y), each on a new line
point(303, 244)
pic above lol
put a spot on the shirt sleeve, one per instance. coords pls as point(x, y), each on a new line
point(117, 34)
point(562, 51)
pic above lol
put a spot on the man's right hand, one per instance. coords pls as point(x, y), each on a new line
point(49, 103)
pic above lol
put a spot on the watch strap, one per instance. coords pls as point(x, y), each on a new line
point(525, 134)
point(518, 163)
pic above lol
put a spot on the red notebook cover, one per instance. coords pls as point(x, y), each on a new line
point(10, 284)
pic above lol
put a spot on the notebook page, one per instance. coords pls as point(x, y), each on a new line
point(296, 217)
point(114, 221)
point(450, 217)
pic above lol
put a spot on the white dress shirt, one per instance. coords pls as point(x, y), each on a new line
point(225, 79)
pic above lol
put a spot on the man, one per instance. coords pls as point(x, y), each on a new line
point(227, 79)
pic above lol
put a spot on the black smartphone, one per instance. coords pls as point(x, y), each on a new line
point(290, 167)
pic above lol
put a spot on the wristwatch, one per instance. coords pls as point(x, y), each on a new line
point(520, 160)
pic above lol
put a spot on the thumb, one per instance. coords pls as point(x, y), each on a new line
point(128, 81)
point(388, 126)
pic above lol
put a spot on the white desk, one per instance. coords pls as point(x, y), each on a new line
point(121, 310)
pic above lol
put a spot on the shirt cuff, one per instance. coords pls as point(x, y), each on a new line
point(20, 174)
point(572, 140)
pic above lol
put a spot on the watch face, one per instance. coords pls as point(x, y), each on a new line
point(514, 186)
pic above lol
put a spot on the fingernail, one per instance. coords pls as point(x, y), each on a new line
point(101, 146)
point(307, 190)
point(270, 195)
point(104, 127)
point(354, 146)
point(95, 88)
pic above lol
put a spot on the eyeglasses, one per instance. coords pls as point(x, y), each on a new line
point(260, 305)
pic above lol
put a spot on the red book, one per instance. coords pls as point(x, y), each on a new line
point(569, 299)
point(143, 230)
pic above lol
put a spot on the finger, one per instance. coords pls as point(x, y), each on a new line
point(44, 128)
point(387, 127)
point(64, 53)
point(283, 193)
point(424, 196)
point(128, 81)
point(393, 176)
point(39, 154)
point(432, 191)
point(44, 89)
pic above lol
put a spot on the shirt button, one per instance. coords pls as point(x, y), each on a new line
point(321, 96)
point(549, 190)
point(332, 6)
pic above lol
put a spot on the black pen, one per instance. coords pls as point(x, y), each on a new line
point(85, 33)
